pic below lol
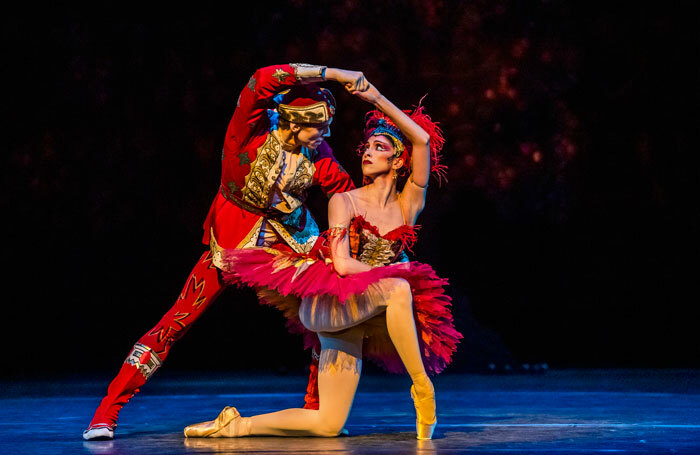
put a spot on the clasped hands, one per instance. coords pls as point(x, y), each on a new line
point(355, 83)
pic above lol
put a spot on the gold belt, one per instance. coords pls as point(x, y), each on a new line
point(269, 212)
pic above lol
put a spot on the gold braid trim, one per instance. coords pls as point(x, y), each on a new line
point(308, 73)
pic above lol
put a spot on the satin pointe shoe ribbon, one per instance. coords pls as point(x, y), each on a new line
point(426, 420)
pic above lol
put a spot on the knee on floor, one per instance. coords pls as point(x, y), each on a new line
point(330, 427)
point(330, 424)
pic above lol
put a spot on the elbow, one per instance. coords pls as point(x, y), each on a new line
point(423, 140)
point(341, 267)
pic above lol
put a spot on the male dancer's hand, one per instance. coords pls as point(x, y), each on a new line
point(353, 81)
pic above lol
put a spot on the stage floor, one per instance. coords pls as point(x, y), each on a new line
point(567, 412)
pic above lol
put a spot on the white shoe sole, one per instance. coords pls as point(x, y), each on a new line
point(98, 433)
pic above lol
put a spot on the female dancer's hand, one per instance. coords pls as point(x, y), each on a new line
point(353, 81)
point(371, 95)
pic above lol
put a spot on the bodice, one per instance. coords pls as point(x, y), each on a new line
point(367, 245)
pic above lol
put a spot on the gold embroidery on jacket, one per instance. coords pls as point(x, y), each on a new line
point(301, 174)
point(303, 177)
point(262, 173)
point(216, 251)
point(296, 245)
point(251, 238)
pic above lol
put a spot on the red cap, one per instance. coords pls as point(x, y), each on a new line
point(307, 104)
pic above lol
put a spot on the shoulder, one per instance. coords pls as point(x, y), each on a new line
point(338, 200)
point(323, 151)
point(354, 196)
point(344, 200)
point(340, 209)
point(355, 192)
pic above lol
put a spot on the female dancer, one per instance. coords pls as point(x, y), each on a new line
point(348, 291)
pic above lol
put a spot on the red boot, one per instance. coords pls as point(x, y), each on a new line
point(141, 363)
point(311, 398)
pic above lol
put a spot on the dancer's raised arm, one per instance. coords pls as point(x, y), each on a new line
point(413, 194)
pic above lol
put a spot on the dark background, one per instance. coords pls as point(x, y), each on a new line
point(567, 228)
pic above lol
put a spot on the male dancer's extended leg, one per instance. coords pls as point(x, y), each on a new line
point(201, 289)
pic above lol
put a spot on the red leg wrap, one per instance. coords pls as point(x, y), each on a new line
point(311, 398)
point(202, 288)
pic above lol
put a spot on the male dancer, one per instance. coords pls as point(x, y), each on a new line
point(269, 159)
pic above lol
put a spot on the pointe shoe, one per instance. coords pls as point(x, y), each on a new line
point(426, 420)
point(226, 425)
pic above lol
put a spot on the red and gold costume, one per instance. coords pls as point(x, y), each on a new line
point(391, 310)
point(260, 202)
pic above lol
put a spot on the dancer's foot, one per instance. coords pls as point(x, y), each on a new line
point(229, 424)
point(99, 432)
point(424, 401)
point(141, 363)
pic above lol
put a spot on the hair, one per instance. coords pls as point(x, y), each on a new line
point(283, 124)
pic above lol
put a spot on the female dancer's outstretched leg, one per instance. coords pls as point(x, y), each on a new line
point(339, 373)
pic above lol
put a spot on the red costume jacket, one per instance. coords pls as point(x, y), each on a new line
point(252, 159)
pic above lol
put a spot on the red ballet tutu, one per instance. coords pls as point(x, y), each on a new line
point(285, 279)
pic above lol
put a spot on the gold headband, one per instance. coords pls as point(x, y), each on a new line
point(398, 145)
point(315, 113)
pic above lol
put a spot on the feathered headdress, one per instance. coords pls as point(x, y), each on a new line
point(377, 123)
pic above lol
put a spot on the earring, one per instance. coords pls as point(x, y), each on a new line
point(394, 175)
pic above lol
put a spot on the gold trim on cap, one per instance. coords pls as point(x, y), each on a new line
point(315, 113)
